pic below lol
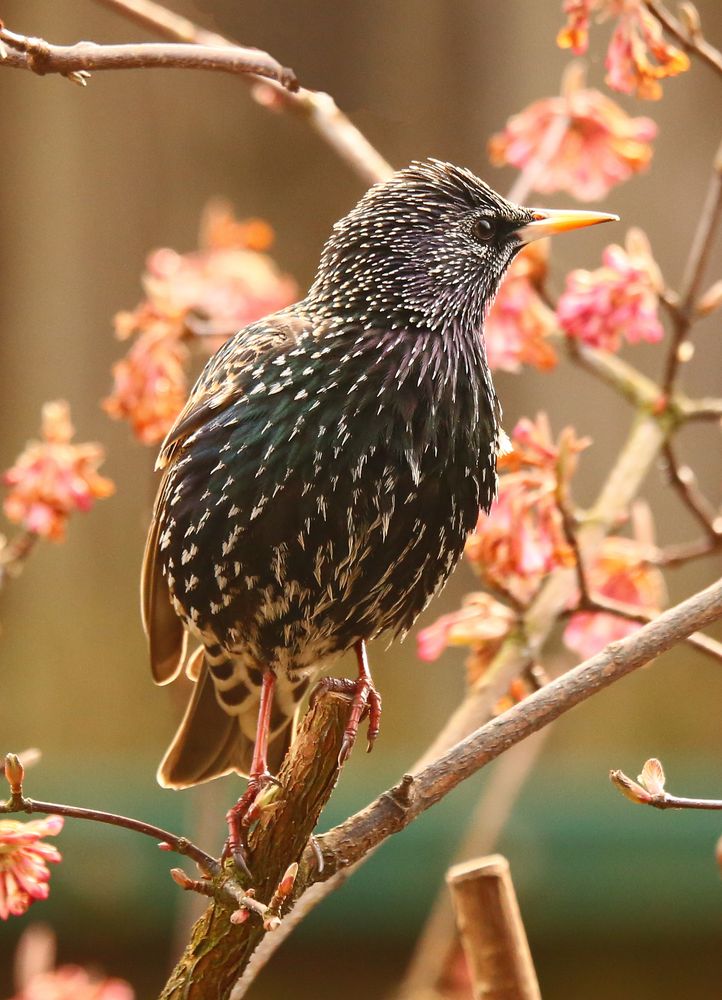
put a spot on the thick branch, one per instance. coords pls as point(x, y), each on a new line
point(219, 950)
point(318, 109)
point(394, 810)
point(41, 57)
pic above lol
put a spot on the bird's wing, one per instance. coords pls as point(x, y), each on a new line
point(225, 379)
point(229, 374)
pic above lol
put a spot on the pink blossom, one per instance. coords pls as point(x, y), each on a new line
point(523, 539)
point(600, 144)
point(24, 873)
point(53, 477)
point(519, 322)
point(621, 572)
point(482, 623)
point(638, 56)
point(203, 298)
point(617, 301)
point(71, 982)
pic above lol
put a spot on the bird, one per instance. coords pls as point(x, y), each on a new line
point(319, 485)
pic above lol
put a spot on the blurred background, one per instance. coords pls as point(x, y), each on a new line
point(617, 901)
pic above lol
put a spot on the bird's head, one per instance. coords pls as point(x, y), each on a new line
point(429, 248)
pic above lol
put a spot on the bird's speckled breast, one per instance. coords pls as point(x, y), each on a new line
point(323, 506)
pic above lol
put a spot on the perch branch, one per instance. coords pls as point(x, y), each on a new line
point(220, 948)
point(492, 931)
point(319, 110)
point(21, 51)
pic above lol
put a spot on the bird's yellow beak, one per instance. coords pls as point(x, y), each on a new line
point(548, 221)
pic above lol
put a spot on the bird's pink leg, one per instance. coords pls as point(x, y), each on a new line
point(365, 699)
point(240, 816)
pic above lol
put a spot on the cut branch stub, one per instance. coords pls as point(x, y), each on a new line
point(219, 950)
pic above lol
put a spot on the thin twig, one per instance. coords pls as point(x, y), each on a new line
point(694, 273)
point(42, 57)
point(181, 845)
point(648, 790)
point(672, 556)
point(318, 109)
point(693, 43)
point(682, 480)
point(704, 643)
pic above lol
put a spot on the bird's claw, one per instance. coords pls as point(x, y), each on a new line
point(241, 817)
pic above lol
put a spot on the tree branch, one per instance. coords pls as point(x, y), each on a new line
point(648, 790)
point(167, 841)
point(698, 640)
point(694, 272)
point(683, 481)
point(219, 950)
point(316, 108)
point(348, 842)
point(78, 60)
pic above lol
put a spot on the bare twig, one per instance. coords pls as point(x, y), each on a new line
point(672, 556)
point(492, 931)
point(694, 273)
point(168, 841)
point(691, 42)
point(698, 640)
point(648, 790)
point(317, 108)
point(78, 60)
point(683, 481)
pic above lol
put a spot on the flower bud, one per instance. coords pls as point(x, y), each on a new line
point(629, 788)
point(14, 772)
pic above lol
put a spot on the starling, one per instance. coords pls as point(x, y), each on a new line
point(320, 483)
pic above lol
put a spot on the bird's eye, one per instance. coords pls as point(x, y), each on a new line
point(484, 230)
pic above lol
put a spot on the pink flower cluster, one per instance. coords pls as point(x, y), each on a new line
point(638, 56)
point(24, 873)
point(517, 329)
point(71, 982)
point(53, 478)
point(621, 572)
point(619, 301)
point(522, 539)
point(201, 297)
point(597, 144)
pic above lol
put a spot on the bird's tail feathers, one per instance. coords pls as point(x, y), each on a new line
point(210, 742)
